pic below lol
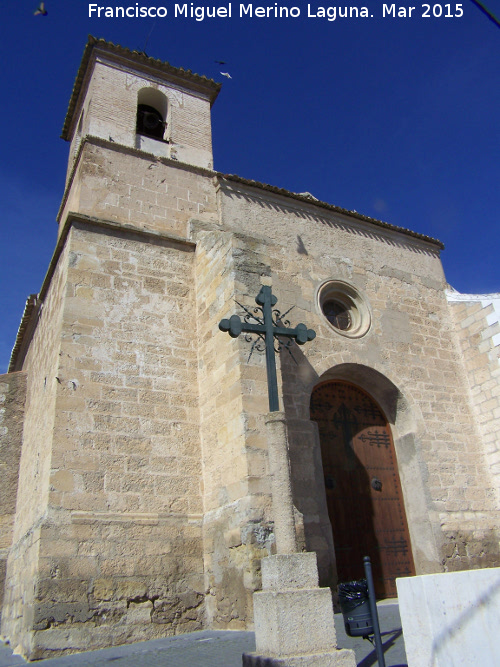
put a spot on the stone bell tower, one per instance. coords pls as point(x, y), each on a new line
point(107, 543)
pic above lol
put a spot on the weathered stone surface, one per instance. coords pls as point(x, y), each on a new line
point(12, 401)
point(477, 319)
point(294, 623)
point(288, 571)
point(290, 624)
point(53, 614)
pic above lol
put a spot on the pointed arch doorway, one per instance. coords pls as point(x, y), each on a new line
point(363, 490)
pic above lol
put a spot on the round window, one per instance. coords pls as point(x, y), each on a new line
point(344, 308)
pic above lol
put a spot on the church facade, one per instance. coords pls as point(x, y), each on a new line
point(137, 498)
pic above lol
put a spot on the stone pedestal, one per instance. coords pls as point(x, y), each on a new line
point(294, 623)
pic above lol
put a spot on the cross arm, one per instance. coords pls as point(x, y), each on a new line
point(234, 326)
point(302, 334)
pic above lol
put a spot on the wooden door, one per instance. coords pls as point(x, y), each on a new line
point(363, 490)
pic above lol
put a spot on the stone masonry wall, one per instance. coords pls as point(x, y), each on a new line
point(110, 112)
point(121, 556)
point(144, 504)
point(136, 189)
point(477, 323)
point(118, 544)
point(237, 530)
point(41, 366)
point(411, 343)
point(12, 399)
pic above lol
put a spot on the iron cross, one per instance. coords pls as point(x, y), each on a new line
point(269, 327)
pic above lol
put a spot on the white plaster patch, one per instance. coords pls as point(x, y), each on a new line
point(485, 300)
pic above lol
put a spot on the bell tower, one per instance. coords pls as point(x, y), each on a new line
point(110, 477)
point(125, 97)
point(131, 105)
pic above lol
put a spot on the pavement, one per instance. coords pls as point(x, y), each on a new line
point(221, 648)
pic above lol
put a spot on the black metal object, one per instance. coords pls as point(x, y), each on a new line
point(373, 611)
point(270, 328)
point(149, 122)
point(359, 609)
point(355, 606)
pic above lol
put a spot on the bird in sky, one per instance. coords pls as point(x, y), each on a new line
point(226, 74)
point(41, 10)
point(220, 62)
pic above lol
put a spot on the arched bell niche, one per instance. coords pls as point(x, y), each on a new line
point(152, 108)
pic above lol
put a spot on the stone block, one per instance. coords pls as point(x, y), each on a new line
point(139, 612)
point(452, 618)
point(294, 622)
point(286, 571)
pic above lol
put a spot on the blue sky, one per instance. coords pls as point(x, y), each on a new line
point(397, 118)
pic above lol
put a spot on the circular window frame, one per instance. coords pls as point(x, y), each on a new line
point(352, 300)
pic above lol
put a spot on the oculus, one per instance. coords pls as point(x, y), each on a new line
point(344, 308)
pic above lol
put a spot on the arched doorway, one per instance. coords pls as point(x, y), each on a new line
point(363, 490)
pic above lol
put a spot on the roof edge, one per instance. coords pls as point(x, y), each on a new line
point(26, 328)
point(309, 199)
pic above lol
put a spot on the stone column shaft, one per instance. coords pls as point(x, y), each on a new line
point(281, 483)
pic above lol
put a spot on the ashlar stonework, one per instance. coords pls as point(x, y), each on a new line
point(133, 430)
